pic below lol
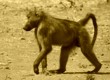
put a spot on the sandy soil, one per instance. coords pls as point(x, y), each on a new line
point(18, 49)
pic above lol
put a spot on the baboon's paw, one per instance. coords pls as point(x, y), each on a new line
point(57, 71)
point(46, 72)
point(96, 69)
point(36, 70)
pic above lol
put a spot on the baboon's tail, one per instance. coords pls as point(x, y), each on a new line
point(84, 21)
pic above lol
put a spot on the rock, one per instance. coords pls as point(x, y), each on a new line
point(23, 39)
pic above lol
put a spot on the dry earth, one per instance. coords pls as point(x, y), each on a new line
point(18, 49)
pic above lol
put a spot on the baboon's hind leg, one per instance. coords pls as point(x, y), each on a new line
point(63, 59)
point(86, 49)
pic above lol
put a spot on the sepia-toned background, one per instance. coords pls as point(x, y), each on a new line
point(18, 49)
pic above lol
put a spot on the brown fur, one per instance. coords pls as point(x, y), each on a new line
point(68, 34)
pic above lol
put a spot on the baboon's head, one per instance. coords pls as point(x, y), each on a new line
point(33, 20)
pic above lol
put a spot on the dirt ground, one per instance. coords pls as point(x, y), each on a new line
point(18, 49)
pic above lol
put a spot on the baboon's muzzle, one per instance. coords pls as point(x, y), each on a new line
point(26, 29)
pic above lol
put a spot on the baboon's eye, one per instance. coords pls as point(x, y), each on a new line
point(37, 15)
point(28, 16)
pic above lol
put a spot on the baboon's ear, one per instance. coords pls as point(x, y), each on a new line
point(31, 10)
point(27, 10)
point(41, 13)
point(34, 10)
point(38, 11)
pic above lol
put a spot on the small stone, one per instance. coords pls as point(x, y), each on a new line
point(102, 54)
point(23, 39)
point(1, 53)
point(7, 68)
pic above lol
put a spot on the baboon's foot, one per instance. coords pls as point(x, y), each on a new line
point(46, 72)
point(58, 71)
point(96, 69)
point(36, 70)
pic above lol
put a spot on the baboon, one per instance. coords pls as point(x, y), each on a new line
point(66, 33)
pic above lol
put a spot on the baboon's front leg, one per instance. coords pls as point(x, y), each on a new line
point(40, 57)
point(45, 48)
